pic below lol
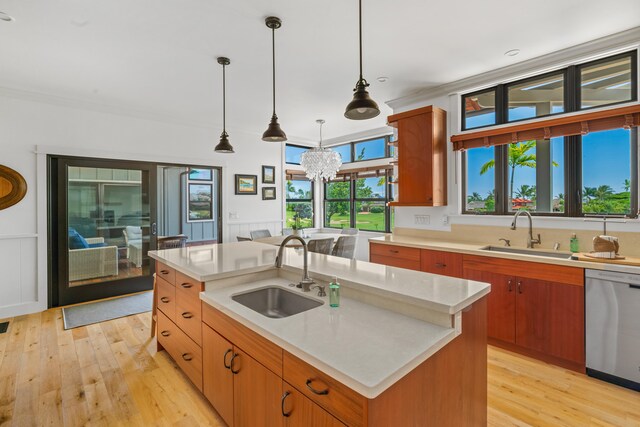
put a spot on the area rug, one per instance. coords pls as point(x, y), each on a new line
point(100, 311)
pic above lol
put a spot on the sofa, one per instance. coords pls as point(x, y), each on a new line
point(90, 258)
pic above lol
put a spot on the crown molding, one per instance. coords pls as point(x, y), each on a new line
point(607, 45)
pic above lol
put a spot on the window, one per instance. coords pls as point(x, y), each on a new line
point(292, 153)
point(370, 149)
point(344, 151)
point(299, 202)
point(359, 202)
point(591, 174)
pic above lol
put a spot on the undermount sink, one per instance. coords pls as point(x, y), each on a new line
point(276, 302)
point(509, 250)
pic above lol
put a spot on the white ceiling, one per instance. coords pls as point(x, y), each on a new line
point(159, 56)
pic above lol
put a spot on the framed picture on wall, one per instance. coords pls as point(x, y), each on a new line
point(200, 206)
point(268, 174)
point(246, 184)
point(268, 193)
point(197, 174)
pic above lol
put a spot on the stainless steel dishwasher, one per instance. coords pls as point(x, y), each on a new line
point(613, 327)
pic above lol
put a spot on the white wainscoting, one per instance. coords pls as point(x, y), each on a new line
point(243, 228)
point(18, 277)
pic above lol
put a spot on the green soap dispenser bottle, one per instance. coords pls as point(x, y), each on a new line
point(334, 293)
point(574, 245)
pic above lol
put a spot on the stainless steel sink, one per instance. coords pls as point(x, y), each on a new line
point(276, 302)
point(509, 250)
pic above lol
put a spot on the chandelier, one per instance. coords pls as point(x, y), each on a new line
point(320, 163)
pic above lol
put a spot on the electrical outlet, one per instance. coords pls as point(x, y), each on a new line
point(445, 219)
point(422, 219)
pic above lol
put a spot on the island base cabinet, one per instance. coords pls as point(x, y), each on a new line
point(217, 377)
point(299, 411)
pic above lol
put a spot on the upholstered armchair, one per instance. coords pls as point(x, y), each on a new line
point(91, 263)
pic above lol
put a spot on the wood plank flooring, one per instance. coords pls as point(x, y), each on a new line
point(110, 374)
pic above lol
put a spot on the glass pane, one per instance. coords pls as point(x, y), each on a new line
point(302, 210)
point(292, 154)
point(534, 98)
point(344, 151)
point(371, 188)
point(108, 220)
point(299, 189)
point(536, 176)
point(606, 172)
point(370, 216)
point(372, 149)
point(606, 83)
point(336, 214)
point(338, 190)
point(480, 180)
point(479, 109)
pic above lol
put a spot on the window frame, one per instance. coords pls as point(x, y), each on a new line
point(505, 96)
point(463, 107)
point(311, 200)
point(352, 146)
point(353, 199)
point(297, 146)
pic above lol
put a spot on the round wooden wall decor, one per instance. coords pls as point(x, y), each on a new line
point(13, 187)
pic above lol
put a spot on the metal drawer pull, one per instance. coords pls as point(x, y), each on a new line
point(393, 251)
point(164, 271)
point(284, 397)
point(165, 299)
point(187, 315)
point(440, 265)
point(165, 333)
point(224, 358)
point(320, 392)
point(510, 285)
point(188, 357)
point(519, 286)
point(231, 363)
point(186, 285)
point(634, 286)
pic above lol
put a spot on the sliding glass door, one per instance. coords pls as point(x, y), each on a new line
point(102, 224)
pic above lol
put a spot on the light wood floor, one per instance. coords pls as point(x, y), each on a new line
point(110, 374)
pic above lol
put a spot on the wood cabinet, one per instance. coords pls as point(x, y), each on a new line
point(395, 256)
point(422, 157)
point(217, 377)
point(302, 412)
point(501, 319)
point(441, 262)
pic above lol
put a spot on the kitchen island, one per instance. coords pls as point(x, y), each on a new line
point(403, 348)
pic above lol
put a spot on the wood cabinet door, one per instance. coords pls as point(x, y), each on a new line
point(566, 320)
point(441, 262)
point(532, 313)
point(300, 411)
point(217, 379)
point(257, 394)
point(415, 159)
point(501, 304)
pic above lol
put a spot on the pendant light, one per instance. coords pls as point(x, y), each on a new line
point(319, 163)
point(362, 107)
point(274, 133)
point(224, 146)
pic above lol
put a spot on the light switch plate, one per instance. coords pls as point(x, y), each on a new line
point(422, 219)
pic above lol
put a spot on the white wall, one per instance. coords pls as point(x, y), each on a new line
point(32, 128)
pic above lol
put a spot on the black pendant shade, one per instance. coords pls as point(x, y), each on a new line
point(362, 107)
point(224, 146)
point(274, 133)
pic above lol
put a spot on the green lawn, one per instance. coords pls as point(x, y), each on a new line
point(305, 222)
point(364, 221)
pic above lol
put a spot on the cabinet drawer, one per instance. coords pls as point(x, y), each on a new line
point(186, 353)
point(338, 399)
point(166, 272)
point(188, 315)
point(188, 286)
point(440, 262)
point(166, 298)
point(256, 346)
point(395, 251)
point(395, 262)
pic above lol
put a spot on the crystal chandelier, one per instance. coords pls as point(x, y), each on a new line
point(321, 163)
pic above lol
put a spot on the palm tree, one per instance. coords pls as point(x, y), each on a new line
point(526, 191)
point(627, 185)
point(603, 192)
point(589, 193)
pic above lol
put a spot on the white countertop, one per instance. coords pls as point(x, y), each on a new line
point(364, 347)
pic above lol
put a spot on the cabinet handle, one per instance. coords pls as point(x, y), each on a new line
point(224, 358)
point(164, 271)
point(186, 285)
point(519, 286)
point(320, 392)
point(231, 363)
point(165, 299)
point(187, 356)
point(165, 333)
point(187, 315)
point(510, 285)
point(440, 265)
point(393, 251)
point(284, 397)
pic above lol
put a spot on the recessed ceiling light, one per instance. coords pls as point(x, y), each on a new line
point(512, 52)
point(382, 79)
point(6, 17)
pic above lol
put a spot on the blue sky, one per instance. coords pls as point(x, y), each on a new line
point(605, 159)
